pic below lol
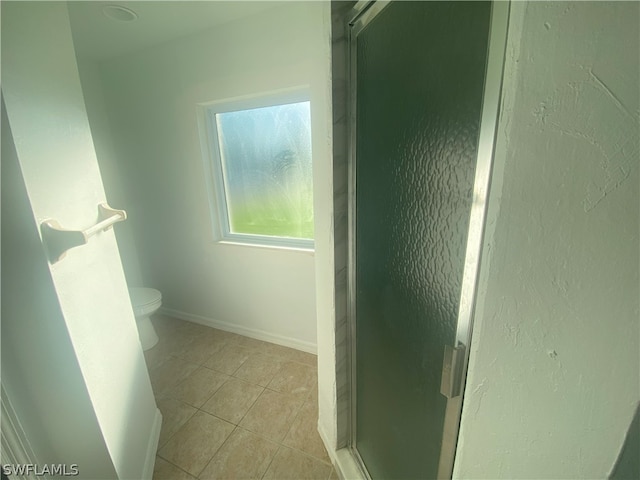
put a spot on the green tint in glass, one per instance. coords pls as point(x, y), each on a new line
point(266, 162)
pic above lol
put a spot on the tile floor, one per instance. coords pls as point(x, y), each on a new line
point(234, 407)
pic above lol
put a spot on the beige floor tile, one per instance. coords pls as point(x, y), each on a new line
point(165, 324)
point(233, 400)
point(179, 337)
point(290, 464)
point(272, 415)
point(169, 373)
point(243, 456)
point(202, 348)
point(304, 435)
point(278, 350)
point(233, 337)
point(258, 345)
point(334, 474)
point(155, 356)
point(190, 369)
point(198, 387)
point(192, 328)
point(313, 392)
point(291, 354)
point(174, 415)
point(228, 336)
point(169, 344)
point(229, 359)
point(293, 378)
point(259, 369)
point(194, 445)
point(304, 357)
point(164, 470)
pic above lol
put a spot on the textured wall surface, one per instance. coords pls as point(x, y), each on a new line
point(554, 368)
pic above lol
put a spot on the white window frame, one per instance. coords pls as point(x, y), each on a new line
point(214, 166)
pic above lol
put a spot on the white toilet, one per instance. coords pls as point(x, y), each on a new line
point(145, 302)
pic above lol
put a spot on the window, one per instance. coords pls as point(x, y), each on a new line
point(260, 164)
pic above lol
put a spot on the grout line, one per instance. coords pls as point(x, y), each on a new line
point(180, 427)
point(307, 454)
point(245, 413)
point(178, 467)
point(251, 406)
point(272, 459)
point(235, 427)
point(293, 422)
point(282, 360)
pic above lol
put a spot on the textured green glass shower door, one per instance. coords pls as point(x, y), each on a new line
point(419, 85)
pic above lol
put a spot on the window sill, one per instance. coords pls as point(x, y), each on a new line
point(240, 243)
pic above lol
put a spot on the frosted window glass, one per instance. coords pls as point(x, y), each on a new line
point(266, 164)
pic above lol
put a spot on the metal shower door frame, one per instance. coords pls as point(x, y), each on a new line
point(362, 14)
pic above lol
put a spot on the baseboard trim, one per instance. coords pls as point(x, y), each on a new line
point(342, 460)
point(152, 447)
point(347, 465)
point(240, 330)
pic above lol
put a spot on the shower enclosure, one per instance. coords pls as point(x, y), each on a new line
point(424, 88)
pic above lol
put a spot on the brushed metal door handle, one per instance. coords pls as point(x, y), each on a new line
point(451, 382)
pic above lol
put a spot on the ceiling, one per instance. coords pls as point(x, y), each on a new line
point(98, 37)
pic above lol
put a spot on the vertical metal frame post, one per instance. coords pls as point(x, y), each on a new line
point(486, 142)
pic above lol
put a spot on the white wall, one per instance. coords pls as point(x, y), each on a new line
point(324, 231)
point(40, 371)
point(117, 186)
point(151, 98)
point(77, 310)
point(554, 368)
